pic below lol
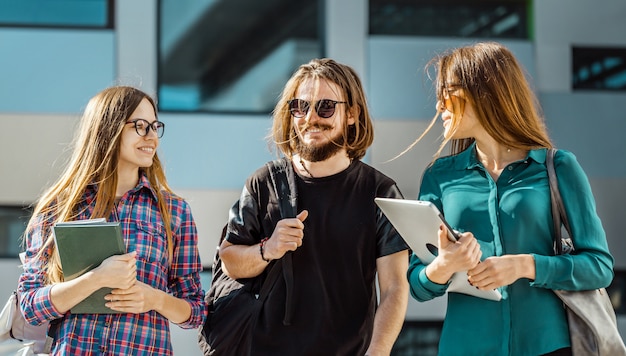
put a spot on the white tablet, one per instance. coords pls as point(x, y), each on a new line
point(418, 223)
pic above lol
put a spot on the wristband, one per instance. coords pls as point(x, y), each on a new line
point(261, 249)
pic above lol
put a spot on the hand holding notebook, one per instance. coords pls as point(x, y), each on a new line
point(82, 246)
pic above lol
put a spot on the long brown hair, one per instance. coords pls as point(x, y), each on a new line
point(491, 79)
point(357, 137)
point(94, 160)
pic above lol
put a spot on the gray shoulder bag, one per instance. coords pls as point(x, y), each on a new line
point(590, 314)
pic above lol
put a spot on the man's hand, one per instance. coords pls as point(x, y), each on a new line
point(287, 236)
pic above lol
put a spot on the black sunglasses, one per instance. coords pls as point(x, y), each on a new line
point(142, 127)
point(324, 108)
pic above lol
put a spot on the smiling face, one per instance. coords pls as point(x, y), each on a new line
point(320, 138)
point(137, 151)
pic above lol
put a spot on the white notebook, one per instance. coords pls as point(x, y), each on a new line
point(418, 223)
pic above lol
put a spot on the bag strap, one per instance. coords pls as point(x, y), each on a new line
point(559, 217)
point(54, 325)
point(284, 188)
point(283, 182)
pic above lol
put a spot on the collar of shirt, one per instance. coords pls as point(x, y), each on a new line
point(468, 159)
point(144, 183)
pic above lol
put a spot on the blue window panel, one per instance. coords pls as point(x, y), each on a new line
point(55, 13)
point(472, 19)
point(206, 60)
point(56, 71)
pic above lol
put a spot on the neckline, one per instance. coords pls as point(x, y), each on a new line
point(325, 178)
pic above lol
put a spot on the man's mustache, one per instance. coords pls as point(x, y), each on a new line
point(322, 127)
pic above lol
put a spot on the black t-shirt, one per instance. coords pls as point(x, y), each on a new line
point(335, 268)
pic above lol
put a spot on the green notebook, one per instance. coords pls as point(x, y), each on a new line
point(82, 246)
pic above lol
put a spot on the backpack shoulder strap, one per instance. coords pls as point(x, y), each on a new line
point(283, 182)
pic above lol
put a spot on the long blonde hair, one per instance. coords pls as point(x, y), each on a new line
point(357, 137)
point(94, 160)
point(493, 81)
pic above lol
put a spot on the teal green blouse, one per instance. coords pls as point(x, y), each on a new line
point(512, 216)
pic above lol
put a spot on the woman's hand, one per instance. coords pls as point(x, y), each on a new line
point(139, 298)
point(500, 271)
point(453, 257)
point(142, 298)
point(119, 271)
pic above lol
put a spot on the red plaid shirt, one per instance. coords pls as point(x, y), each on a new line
point(144, 232)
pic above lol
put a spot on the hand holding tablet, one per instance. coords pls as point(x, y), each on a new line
point(417, 222)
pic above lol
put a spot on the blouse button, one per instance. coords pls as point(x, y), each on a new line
point(510, 168)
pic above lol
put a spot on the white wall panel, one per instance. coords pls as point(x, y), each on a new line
point(210, 212)
point(393, 137)
point(33, 151)
point(398, 86)
point(345, 41)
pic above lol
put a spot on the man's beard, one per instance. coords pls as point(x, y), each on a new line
point(322, 152)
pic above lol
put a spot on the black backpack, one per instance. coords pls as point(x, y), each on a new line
point(234, 305)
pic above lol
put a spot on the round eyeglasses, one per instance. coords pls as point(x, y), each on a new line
point(324, 108)
point(143, 127)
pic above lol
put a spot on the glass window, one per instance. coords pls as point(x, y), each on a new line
point(450, 18)
point(13, 220)
point(599, 69)
point(232, 55)
point(57, 13)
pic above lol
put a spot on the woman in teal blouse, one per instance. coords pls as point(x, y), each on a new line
point(493, 188)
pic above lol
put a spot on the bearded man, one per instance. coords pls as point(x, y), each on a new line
point(340, 243)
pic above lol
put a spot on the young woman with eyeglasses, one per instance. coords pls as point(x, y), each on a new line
point(115, 173)
point(494, 189)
